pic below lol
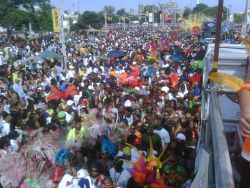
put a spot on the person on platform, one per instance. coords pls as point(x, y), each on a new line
point(244, 100)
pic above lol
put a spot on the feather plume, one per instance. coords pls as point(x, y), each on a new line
point(12, 169)
point(108, 146)
point(227, 80)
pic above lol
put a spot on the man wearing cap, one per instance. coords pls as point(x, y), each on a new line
point(66, 109)
point(61, 116)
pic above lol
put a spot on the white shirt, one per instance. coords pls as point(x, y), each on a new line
point(13, 146)
point(70, 74)
point(68, 117)
point(120, 179)
point(5, 128)
point(163, 133)
point(19, 89)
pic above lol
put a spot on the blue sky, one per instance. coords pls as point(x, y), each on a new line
point(97, 5)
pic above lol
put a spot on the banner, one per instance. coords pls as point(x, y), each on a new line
point(231, 18)
point(56, 20)
point(150, 17)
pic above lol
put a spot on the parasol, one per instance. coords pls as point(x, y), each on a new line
point(49, 55)
point(116, 53)
point(34, 59)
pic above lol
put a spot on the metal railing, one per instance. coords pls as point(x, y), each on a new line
point(214, 125)
point(222, 164)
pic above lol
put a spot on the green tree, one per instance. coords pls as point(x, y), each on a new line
point(110, 10)
point(187, 12)
point(89, 18)
point(200, 8)
point(44, 18)
point(16, 13)
point(121, 12)
point(212, 12)
point(239, 18)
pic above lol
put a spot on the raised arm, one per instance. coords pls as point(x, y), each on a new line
point(244, 100)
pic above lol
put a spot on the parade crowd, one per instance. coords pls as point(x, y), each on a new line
point(121, 110)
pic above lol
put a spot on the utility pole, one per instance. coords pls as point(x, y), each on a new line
point(30, 29)
point(153, 14)
point(78, 6)
point(218, 36)
point(124, 22)
point(62, 39)
point(244, 24)
point(105, 17)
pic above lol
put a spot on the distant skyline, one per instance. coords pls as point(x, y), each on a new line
point(236, 6)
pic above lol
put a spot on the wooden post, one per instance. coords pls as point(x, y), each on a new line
point(218, 36)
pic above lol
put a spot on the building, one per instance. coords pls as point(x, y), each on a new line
point(169, 11)
point(69, 19)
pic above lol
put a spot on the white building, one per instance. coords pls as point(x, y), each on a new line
point(69, 19)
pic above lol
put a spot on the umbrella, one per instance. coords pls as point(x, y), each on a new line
point(34, 59)
point(49, 55)
point(116, 53)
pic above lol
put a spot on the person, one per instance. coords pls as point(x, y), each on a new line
point(96, 177)
point(18, 88)
point(123, 127)
point(163, 133)
point(107, 182)
point(118, 174)
point(244, 101)
point(5, 127)
point(155, 138)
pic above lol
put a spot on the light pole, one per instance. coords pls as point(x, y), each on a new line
point(124, 23)
point(62, 39)
point(218, 36)
point(244, 25)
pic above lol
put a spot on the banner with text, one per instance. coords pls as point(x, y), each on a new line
point(56, 20)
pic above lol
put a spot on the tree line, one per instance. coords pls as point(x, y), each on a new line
point(19, 13)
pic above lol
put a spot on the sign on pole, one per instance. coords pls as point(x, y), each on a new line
point(150, 17)
point(248, 16)
point(56, 20)
point(231, 18)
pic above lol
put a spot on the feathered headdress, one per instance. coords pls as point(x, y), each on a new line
point(12, 169)
point(61, 156)
point(143, 171)
point(109, 147)
point(57, 94)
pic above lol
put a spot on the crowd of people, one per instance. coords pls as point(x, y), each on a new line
point(121, 110)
